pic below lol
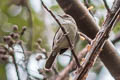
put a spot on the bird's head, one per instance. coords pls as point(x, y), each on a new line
point(67, 17)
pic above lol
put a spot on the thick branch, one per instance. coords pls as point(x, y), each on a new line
point(87, 25)
point(97, 45)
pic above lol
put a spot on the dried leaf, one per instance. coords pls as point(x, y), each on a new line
point(82, 38)
point(89, 47)
point(90, 8)
point(82, 61)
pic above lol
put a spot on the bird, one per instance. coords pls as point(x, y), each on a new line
point(60, 42)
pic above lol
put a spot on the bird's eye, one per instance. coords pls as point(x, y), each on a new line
point(66, 16)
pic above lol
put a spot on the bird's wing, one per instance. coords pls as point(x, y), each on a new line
point(59, 37)
point(56, 36)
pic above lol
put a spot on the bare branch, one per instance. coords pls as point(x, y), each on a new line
point(86, 37)
point(86, 2)
point(16, 66)
point(30, 23)
point(97, 45)
point(106, 6)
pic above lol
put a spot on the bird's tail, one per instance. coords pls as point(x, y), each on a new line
point(50, 60)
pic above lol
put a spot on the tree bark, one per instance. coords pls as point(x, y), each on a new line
point(88, 26)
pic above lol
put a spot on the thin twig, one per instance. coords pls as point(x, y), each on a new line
point(86, 2)
point(25, 59)
point(71, 47)
point(30, 22)
point(106, 6)
point(86, 37)
point(23, 50)
point(97, 45)
point(117, 38)
point(16, 66)
point(55, 70)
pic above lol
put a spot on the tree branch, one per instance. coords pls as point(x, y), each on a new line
point(86, 37)
point(87, 25)
point(97, 45)
point(117, 38)
point(86, 2)
point(16, 66)
point(106, 6)
point(71, 66)
point(30, 24)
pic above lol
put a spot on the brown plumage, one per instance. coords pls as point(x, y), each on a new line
point(60, 43)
